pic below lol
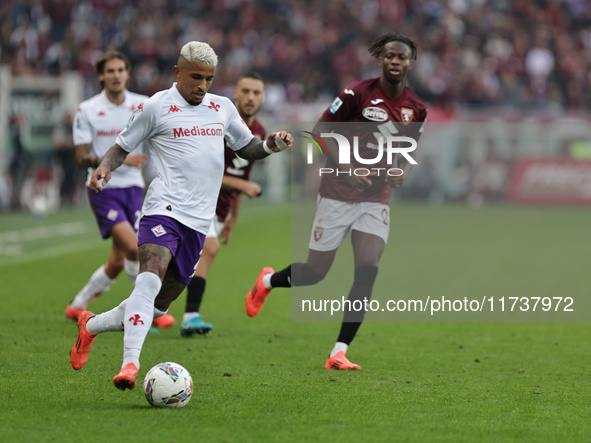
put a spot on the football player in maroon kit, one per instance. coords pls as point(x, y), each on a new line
point(356, 204)
point(248, 97)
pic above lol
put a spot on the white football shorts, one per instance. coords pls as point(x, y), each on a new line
point(334, 219)
point(216, 228)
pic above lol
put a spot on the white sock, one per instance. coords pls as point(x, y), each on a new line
point(108, 321)
point(139, 313)
point(158, 313)
point(267, 280)
point(338, 347)
point(132, 268)
point(189, 315)
point(112, 320)
point(99, 282)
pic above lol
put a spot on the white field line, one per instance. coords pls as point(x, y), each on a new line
point(11, 242)
point(42, 232)
point(12, 249)
point(49, 252)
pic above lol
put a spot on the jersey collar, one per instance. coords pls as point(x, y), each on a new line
point(180, 101)
point(109, 103)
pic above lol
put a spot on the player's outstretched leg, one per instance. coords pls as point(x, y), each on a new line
point(99, 282)
point(81, 349)
point(339, 361)
point(257, 295)
point(127, 377)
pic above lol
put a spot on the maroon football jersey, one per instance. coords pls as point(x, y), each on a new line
point(365, 102)
point(237, 167)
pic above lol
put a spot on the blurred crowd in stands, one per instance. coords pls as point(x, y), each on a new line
point(517, 54)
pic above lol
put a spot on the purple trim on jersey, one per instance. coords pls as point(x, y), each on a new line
point(184, 243)
point(227, 196)
point(115, 205)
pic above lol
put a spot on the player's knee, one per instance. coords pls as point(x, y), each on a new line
point(113, 267)
point(210, 250)
point(365, 276)
point(303, 275)
point(130, 251)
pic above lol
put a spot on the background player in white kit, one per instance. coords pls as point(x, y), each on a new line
point(96, 125)
point(184, 127)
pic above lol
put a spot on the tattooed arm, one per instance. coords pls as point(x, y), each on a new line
point(84, 158)
point(255, 150)
point(114, 158)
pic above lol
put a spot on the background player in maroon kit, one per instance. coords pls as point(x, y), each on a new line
point(248, 97)
point(350, 203)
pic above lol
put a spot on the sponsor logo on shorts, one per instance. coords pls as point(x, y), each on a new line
point(318, 231)
point(112, 215)
point(158, 231)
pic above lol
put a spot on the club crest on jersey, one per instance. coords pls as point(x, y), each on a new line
point(375, 114)
point(158, 231)
point(318, 231)
point(406, 115)
point(335, 105)
point(112, 215)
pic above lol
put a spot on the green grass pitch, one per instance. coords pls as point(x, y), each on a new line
point(262, 379)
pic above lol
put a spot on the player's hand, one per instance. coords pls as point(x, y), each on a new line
point(362, 183)
point(100, 174)
point(252, 189)
point(137, 160)
point(279, 141)
point(226, 233)
point(395, 181)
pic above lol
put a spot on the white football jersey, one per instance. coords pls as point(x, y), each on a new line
point(187, 147)
point(98, 121)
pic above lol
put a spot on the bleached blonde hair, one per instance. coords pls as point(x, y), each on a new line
point(199, 52)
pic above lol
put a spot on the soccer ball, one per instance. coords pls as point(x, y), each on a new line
point(168, 385)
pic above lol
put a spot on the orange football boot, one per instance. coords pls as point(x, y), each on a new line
point(166, 321)
point(81, 349)
point(127, 377)
point(257, 295)
point(72, 313)
point(339, 361)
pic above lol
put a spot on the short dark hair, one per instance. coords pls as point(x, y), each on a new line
point(252, 74)
point(378, 44)
point(108, 55)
